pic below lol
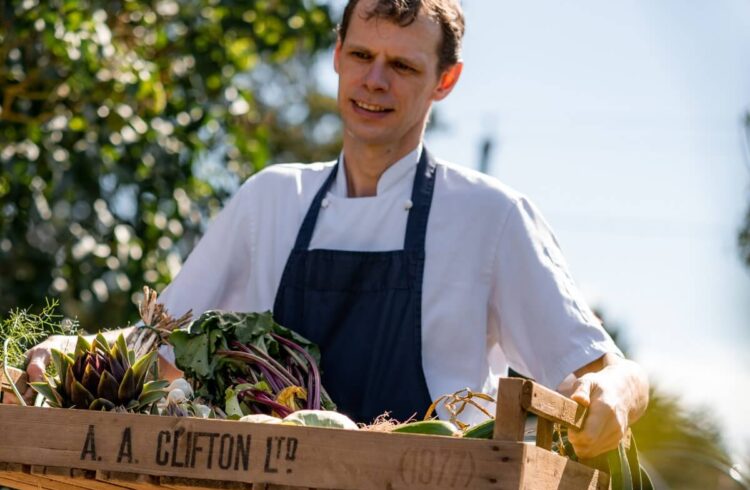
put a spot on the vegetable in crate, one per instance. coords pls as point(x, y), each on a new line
point(320, 418)
point(428, 427)
point(102, 377)
point(247, 363)
point(21, 331)
point(180, 402)
point(157, 323)
point(482, 430)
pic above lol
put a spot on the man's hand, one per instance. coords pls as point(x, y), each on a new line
point(615, 391)
point(39, 357)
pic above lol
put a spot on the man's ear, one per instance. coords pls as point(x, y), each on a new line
point(448, 80)
point(336, 55)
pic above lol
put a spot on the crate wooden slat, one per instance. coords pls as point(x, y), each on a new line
point(51, 448)
point(14, 476)
point(549, 404)
point(73, 479)
point(24, 477)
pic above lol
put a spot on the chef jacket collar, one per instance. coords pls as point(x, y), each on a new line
point(392, 175)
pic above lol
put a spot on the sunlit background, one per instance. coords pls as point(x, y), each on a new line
point(624, 122)
point(125, 126)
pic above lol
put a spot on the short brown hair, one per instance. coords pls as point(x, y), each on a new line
point(448, 13)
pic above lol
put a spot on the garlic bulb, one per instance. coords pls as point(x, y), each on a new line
point(183, 385)
point(176, 396)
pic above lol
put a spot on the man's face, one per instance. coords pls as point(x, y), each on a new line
point(388, 79)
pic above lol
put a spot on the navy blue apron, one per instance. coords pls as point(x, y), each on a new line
point(364, 310)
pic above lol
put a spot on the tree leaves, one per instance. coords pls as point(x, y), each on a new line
point(125, 125)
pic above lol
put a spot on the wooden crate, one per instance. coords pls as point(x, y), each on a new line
point(17, 377)
point(75, 449)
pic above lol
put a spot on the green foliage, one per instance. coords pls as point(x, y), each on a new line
point(681, 446)
point(25, 329)
point(126, 124)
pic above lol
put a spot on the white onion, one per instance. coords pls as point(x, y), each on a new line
point(181, 384)
point(176, 396)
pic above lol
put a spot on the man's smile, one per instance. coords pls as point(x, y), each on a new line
point(371, 107)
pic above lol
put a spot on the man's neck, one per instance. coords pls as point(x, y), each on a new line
point(365, 165)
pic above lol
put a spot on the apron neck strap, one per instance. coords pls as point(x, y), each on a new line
point(421, 198)
point(308, 225)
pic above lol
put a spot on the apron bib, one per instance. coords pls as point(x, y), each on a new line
point(364, 310)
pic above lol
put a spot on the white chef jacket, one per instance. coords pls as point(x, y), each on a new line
point(496, 289)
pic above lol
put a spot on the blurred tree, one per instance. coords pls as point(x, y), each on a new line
point(744, 235)
point(684, 446)
point(681, 447)
point(125, 124)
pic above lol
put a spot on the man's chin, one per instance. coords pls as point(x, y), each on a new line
point(371, 138)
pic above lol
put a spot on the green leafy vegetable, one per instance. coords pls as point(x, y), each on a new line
point(247, 363)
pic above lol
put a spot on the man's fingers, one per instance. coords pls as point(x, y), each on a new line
point(38, 361)
point(582, 391)
point(586, 441)
point(588, 445)
point(586, 438)
point(604, 425)
point(29, 395)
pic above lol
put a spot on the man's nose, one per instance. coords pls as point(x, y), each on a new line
point(376, 78)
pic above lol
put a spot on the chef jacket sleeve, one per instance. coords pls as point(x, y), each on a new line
point(544, 327)
point(215, 275)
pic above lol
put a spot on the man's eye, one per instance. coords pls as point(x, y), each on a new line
point(403, 67)
point(361, 55)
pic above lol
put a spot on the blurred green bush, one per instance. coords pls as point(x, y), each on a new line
point(124, 126)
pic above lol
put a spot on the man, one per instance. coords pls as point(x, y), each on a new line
point(416, 277)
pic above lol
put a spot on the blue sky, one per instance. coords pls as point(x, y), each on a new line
point(621, 120)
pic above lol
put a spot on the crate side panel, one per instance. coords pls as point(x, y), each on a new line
point(252, 453)
point(545, 470)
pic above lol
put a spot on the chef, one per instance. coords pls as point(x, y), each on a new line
point(416, 277)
